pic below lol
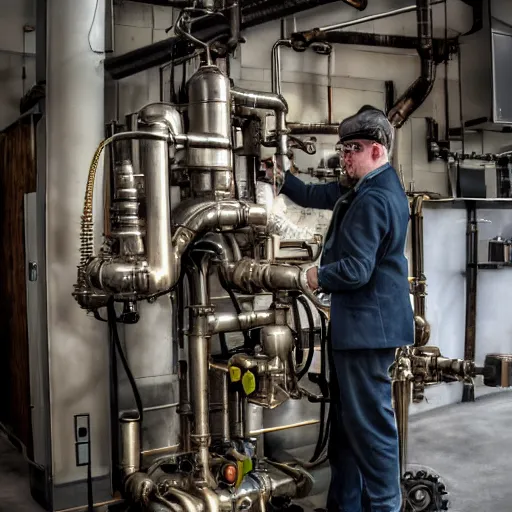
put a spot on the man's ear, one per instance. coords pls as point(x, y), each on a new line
point(377, 152)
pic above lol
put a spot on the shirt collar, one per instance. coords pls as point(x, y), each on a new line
point(371, 175)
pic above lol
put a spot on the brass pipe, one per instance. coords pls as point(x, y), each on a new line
point(419, 281)
point(402, 377)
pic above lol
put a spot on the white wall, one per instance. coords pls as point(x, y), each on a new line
point(14, 15)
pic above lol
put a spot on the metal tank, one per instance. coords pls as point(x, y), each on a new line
point(209, 111)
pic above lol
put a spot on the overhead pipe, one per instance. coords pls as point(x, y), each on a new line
point(416, 94)
point(163, 52)
point(269, 101)
point(272, 10)
point(313, 128)
point(374, 17)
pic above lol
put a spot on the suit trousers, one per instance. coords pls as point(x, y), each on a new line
point(363, 445)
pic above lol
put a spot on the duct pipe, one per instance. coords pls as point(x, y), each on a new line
point(416, 94)
point(163, 52)
point(263, 12)
point(74, 124)
point(269, 101)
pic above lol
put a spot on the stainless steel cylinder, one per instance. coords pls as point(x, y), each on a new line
point(209, 112)
point(131, 125)
point(277, 341)
point(124, 215)
point(130, 443)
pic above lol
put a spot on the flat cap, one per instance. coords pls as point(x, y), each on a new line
point(369, 123)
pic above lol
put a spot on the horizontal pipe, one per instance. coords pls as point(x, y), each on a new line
point(374, 17)
point(269, 101)
point(259, 100)
point(163, 52)
point(251, 277)
point(160, 407)
point(271, 10)
point(313, 128)
point(227, 322)
point(268, 430)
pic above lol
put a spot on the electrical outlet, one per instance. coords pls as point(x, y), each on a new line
point(82, 439)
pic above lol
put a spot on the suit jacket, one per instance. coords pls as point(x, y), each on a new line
point(363, 264)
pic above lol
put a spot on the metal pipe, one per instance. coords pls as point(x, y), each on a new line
point(275, 69)
point(419, 282)
point(163, 52)
point(402, 392)
point(313, 128)
point(268, 430)
point(130, 443)
point(250, 277)
point(374, 17)
point(271, 10)
point(270, 101)
point(330, 61)
point(198, 339)
point(228, 322)
point(416, 94)
point(471, 296)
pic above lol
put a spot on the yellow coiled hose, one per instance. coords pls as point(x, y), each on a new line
point(87, 224)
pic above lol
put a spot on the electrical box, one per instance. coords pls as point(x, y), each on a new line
point(486, 70)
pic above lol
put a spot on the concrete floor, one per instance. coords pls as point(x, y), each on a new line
point(468, 445)
point(14, 483)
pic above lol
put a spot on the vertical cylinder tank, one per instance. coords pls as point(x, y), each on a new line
point(209, 112)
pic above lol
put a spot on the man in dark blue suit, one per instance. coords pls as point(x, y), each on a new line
point(364, 268)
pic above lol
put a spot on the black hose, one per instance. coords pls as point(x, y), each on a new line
point(112, 322)
point(323, 434)
point(298, 329)
point(223, 344)
point(311, 350)
point(238, 309)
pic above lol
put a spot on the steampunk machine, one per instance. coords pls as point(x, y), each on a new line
point(216, 236)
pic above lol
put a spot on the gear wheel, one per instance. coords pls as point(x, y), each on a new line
point(423, 492)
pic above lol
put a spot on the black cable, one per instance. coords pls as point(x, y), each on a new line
point(114, 402)
point(90, 498)
point(311, 344)
point(112, 319)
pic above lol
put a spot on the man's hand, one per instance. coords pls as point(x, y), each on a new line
point(312, 278)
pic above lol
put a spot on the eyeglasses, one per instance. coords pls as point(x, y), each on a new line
point(349, 147)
